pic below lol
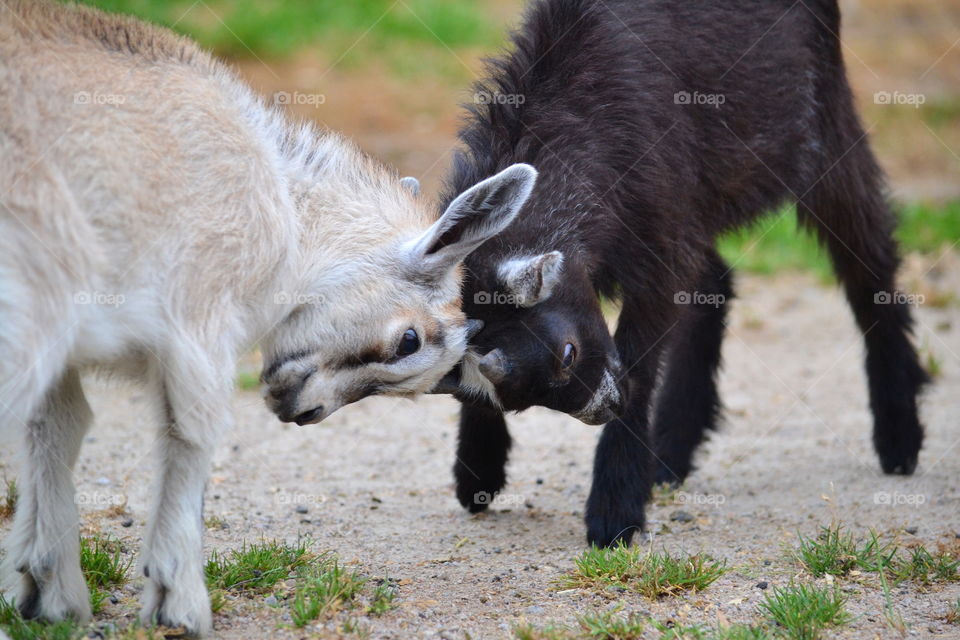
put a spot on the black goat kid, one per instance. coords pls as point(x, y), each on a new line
point(657, 125)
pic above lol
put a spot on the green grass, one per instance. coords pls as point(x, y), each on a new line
point(953, 613)
point(104, 567)
point(323, 588)
point(803, 612)
point(549, 632)
point(278, 28)
point(382, 599)
point(776, 243)
point(19, 629)
point(610, 626)
point(837, 553)
point(701, 632)
point(248, 381)
point(929, 228)
point(741, 632)
point(256, 567)
point(650, 573)
point(607, 625)
point(321, 585)
point(922, 567)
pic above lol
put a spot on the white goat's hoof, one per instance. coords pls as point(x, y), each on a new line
point(60, 595)
point(186, 606)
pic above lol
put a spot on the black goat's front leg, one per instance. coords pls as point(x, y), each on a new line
point(623, 465)
point(482, 450)
point(688, 405)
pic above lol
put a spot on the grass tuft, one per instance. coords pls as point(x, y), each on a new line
point(104, 567)
point(13, 624)
point(323, 588)
point(649, 573)
point(953, 613)
point(549, 632)
point(804, 611)
point(256, 567)
point(610, 626)
point(316, 586)
point(923, 567)
point(382, 599)
point(837, 553)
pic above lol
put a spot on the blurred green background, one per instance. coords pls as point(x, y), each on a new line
point(393, 73)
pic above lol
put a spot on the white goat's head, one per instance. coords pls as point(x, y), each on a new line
point(389, 321)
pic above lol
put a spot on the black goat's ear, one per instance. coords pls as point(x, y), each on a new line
point(475, 216)
point(531, 279)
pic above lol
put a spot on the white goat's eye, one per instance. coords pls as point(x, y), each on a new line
point(569, 355)
point(409, 343)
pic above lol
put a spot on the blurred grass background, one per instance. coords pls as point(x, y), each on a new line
point(393, 73)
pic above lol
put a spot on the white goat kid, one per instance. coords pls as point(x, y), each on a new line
point(157, 220)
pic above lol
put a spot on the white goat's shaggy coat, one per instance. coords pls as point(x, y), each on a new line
point(157, 220)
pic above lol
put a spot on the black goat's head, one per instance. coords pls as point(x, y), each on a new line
point(544, 340)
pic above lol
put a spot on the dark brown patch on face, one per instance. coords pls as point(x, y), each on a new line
point(354, 361)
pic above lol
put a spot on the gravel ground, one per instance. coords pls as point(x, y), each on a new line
point(375, 479)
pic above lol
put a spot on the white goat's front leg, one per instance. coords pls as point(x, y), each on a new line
point(196, 411)
point(44, 546)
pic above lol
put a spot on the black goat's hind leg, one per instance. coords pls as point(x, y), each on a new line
point(852, 218)
point(482, 449)
point(688, 405)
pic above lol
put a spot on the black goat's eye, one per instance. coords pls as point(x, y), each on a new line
point(409, 343)
point(569, 355)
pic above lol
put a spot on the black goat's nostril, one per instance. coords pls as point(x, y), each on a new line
point(308, 416)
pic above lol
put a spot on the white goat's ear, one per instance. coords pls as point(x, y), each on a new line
point(411, 184)
point(531, 279)
point(475, 216)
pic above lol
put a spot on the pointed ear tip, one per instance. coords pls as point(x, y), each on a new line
point(521, 170)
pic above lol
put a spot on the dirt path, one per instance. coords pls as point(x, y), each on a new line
point(795, 453)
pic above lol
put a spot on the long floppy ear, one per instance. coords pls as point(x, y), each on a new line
point(477, 214)
point(531, 279)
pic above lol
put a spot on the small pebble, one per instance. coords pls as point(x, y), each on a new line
point(681, 516)
point(763, 584)
point(127, 522)
point(912, 530)
point(271, 601)
point(535, 610)
point(302, 508)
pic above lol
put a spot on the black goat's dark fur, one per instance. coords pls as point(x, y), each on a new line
point(635, 184)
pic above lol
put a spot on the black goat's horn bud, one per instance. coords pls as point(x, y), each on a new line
point(473, 328)
point(493, 366)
